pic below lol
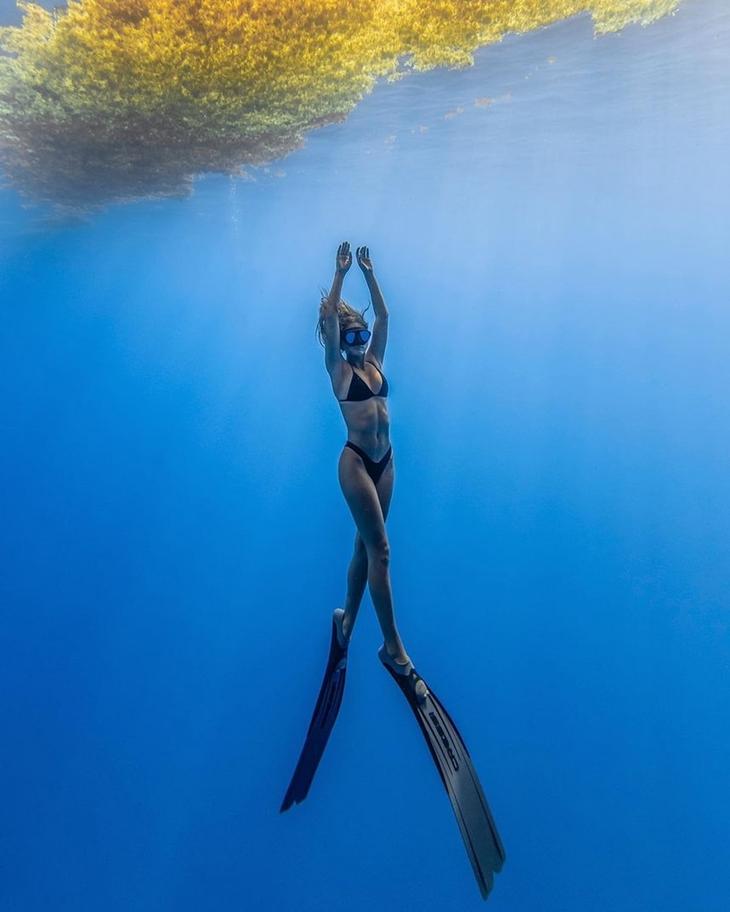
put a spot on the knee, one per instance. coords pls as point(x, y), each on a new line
point(379, 552)
point(360, 549)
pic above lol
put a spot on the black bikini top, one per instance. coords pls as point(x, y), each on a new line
point(359, 389)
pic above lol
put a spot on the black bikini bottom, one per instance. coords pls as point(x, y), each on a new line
point(374, 469)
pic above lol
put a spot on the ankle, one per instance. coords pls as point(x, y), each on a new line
point(395, 649)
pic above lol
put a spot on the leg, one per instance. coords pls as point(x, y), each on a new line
point(363, 499)
point(357, 574)
point(357, 577)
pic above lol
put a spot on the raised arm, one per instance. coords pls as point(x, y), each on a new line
point(328, 309)
point(380, 324)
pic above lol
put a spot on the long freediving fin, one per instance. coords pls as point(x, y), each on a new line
point(450, 754)
point(323, 718)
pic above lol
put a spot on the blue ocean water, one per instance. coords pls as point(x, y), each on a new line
point(175, 539)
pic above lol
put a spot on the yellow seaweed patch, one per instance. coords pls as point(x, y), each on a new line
point(116, 99)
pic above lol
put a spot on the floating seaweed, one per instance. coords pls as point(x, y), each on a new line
point(111, 100)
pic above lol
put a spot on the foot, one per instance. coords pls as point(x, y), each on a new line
point(399, 661)
point(342, 626)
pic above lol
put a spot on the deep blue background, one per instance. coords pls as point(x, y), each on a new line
point(174, 537)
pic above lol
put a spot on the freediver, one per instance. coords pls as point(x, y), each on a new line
point(366, 474)
point(366, 468)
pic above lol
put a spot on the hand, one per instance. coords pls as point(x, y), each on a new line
point(364, 261)
point(344, 257)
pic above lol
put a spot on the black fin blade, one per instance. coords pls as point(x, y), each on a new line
point(323, 720)
point(451, 757)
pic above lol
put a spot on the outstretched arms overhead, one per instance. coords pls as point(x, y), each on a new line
point(380, 325)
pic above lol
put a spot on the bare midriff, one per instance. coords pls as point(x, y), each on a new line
point(368, 425)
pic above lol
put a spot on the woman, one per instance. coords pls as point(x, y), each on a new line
point(366, 468)
point(366, 475)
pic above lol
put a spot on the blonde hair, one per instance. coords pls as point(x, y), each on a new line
point(346, 315)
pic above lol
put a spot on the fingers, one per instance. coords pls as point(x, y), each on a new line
point(344, 257)
point(363, 259)
point(362, 254)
